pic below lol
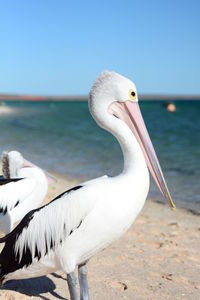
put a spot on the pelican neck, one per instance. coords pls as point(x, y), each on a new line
point(133, 156)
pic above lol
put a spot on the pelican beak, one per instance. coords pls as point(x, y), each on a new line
point(130, 113)
point(51, 179)
point(28, 164)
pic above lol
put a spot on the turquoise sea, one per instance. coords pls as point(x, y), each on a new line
point(63, 137)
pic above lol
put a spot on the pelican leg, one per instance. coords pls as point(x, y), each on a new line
point(71, 280)
point(82, 276)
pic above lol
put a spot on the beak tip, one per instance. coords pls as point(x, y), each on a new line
point(173, 206)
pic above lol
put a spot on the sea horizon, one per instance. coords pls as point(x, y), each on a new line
point(144, 97)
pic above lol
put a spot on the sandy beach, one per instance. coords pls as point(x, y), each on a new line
point(158, 258)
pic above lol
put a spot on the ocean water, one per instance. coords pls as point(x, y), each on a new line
point(63, 137)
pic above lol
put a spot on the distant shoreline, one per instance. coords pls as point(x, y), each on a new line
point(157, 97)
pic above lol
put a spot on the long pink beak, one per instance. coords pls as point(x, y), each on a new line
point(130, 113)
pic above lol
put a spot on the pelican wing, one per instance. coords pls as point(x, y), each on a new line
point(14, 191)
point(44, 229)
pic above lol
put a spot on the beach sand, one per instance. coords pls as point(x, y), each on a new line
point(158, 258)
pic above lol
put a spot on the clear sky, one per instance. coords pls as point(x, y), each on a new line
point(60, 46)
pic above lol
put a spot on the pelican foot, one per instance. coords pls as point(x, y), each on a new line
point(71, 280)
point(82, 276)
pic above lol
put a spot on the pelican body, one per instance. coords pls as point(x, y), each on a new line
point(23, 187)
point(78, 224)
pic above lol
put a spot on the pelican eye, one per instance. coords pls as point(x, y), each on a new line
point(132, 94)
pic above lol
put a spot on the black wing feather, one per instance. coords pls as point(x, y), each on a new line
point(4, 181)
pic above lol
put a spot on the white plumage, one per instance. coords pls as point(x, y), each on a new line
point(86, 219)
point(22, 188)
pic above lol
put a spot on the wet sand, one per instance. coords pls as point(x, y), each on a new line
point(157, 259)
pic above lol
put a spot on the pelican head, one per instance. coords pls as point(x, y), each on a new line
point(113, 102)
point(12, 162)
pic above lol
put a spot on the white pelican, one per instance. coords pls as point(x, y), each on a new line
point(76, 225)
point(23, 187)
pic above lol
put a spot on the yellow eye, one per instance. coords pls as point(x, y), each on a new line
point(132, 94)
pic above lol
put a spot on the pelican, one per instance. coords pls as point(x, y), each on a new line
point(23, 187)
point(84, 220)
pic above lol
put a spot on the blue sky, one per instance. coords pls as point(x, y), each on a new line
point(60, 47)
